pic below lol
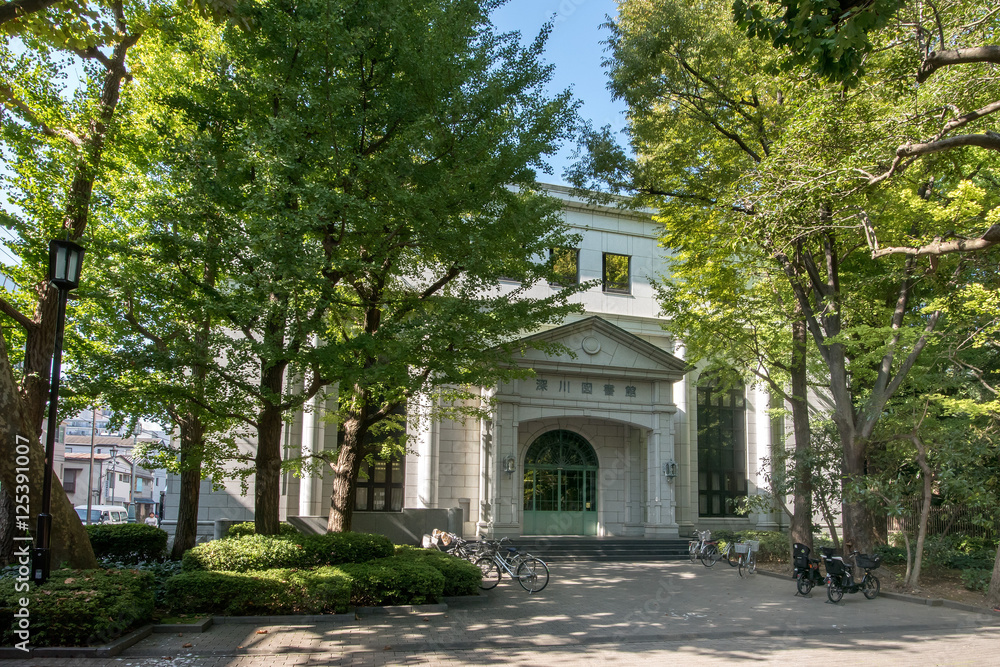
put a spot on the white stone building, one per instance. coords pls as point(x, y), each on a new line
point(604, 440)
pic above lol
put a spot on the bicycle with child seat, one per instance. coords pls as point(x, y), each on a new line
point(530, 572)
point(840, 575)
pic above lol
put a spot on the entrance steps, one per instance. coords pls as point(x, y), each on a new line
point(562, 548)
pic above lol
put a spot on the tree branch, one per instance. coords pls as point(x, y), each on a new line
point(10, 311)
point(938, 59)
point(10, 11)
point(30, 116)
point(939, 247)
point(990, 141)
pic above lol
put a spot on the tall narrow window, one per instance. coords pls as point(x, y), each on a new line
point(616, 273)
point(722, 450)
point(380, 486)
point(565, 266)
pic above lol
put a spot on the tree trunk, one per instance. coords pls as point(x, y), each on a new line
point(993, 593)
point(801, 527)
point(7, 527)
point(831, 525)
point(346, 470)
point(19, 441)
point(925, 511)
point(192, 446)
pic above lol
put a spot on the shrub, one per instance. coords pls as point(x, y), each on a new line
point(337, 548)
point(265, 552)
point(460, 576)
point(977, 579)
point(128, 542)
point(161, 571)
point(254, 552)
point(249, 528)
point(79, 607)
point(891, 555)
point(394, 580)
point(279, 591)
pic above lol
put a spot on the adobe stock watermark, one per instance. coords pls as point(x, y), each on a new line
point(567, 8)
point(22, 550)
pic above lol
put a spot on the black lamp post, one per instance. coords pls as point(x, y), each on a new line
point(65, 260)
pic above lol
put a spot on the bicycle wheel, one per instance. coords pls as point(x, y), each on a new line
point(533, 575)
point(748, 565)
point(753, 563)
point(731, 556)
point(710, 556)
point(834, 592)
point(803, 583)
point(491, 573)
point(693, 551)
point(870, 586)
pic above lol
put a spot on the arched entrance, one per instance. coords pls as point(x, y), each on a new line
point(560, 485)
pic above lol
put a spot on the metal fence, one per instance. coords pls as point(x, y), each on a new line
point(950, 520)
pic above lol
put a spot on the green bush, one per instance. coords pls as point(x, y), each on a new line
point(265, 552)
point(250, 528)
point(128, 542)
point(977, 579)
point(241, 554)
point(891, 555)
point(977, 560)
point(337, 548)
point(279, 591)
point(394, 580)
point(460, 576)
point(79, 607)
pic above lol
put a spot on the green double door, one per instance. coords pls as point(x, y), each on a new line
point(560, 486)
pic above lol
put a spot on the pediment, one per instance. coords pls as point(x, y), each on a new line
point(594, 343)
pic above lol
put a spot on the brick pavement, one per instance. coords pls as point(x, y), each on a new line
point(614, 613)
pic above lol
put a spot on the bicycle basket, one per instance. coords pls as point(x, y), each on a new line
point(868, 562)
point(705, 535)
point(742, 547)
point(754, 545)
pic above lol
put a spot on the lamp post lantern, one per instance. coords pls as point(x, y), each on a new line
point(65, 260)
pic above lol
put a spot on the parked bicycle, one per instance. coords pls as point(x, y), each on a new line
point(532, 573)
point(704, 549)
point(840, 576)
point(729, 554)
point(470, 550)
point(805, 569)
point(747, 557)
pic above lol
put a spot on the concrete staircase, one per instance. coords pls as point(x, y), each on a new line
point(573, 548)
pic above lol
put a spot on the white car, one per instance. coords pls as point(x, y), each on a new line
point(101, 514)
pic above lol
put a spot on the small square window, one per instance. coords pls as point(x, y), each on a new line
point(617, 274)
point(565, 266)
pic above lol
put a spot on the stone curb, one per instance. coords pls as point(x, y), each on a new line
point(913, 599)
point(108, 650)
point(201, 625)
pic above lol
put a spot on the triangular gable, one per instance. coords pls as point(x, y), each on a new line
point(595, 344)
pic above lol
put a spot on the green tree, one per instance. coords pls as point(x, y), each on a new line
point(374, 175)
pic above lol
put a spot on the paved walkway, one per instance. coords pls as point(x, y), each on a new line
point(591, 613)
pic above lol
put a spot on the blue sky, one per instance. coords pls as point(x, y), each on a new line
point(575, 49)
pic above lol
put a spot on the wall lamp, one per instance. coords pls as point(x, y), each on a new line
point(670, 469)
point(509, 466)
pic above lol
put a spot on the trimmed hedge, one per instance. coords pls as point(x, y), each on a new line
point(128, 542)
point(394, 580)
point(265, 552)
point(79, 607)
point(773, 544)
point(460, 576)
point(279, 591)
point(248, 528)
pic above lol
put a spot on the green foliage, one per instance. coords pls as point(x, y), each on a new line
point(264, 552)
point(394, 580)
point(336, 548)
point(891, 555)
point(773, 544)
point(250, 528)
point(253, 552)
point(831, 36)
point(128, 543)
point(276, 591)
point(79, 607)
point(460, 576)
point(977, 579)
